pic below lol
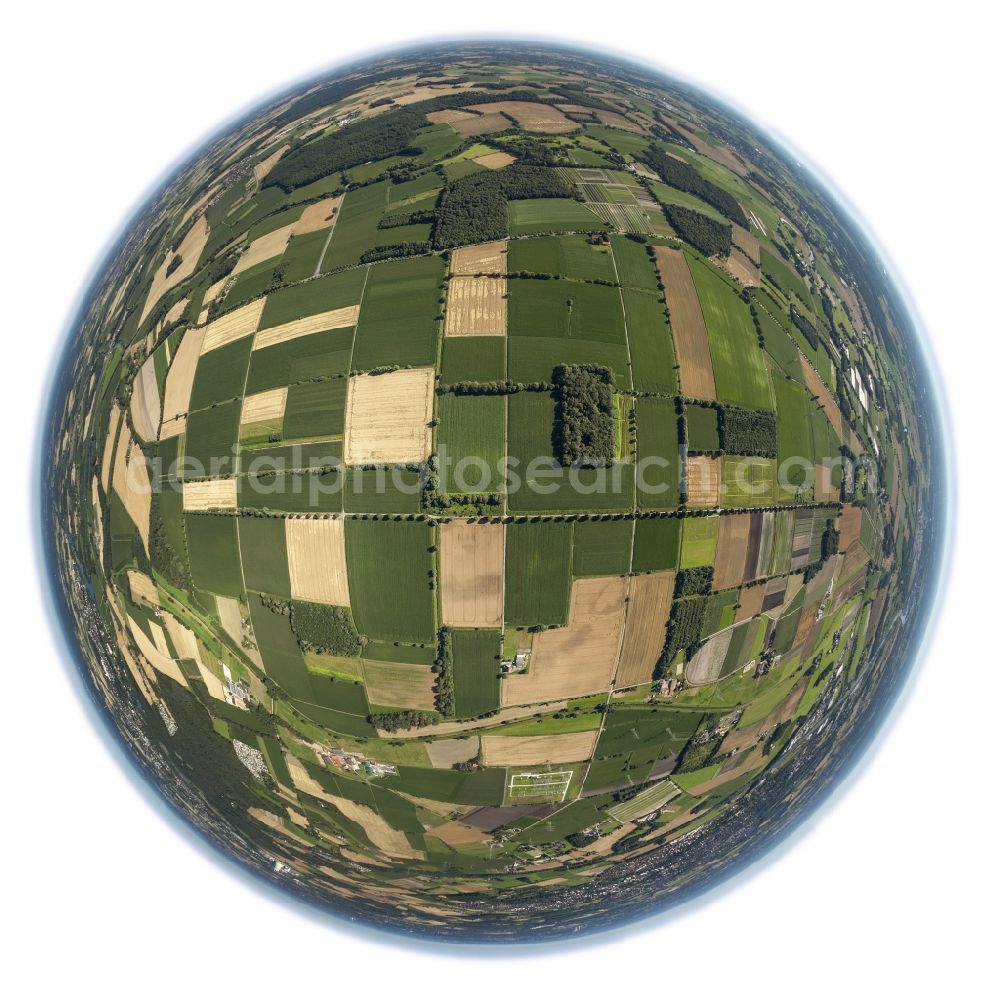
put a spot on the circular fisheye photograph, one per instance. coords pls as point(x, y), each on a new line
point(493, 492)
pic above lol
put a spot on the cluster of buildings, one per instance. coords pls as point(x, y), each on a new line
point(251, 758)
point(357, 763)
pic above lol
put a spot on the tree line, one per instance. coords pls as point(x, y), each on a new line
point(687, 179)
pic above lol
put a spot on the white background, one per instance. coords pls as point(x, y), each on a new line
point(897, 879)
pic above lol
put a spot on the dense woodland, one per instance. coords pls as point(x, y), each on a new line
point(687, 179)
point(699, 230)
point(745, 431)
point(474, 209)
point(585, 421)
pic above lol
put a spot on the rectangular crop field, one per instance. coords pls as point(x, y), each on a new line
point(730, 556)
point(386, 553)
point(388, 416)
point(472, 563)
point(476, 306)
point(357, 225)
point(578, 659)
point(328, 298)
point(687, 322)
point(527, 751)
point(659, 471)
point(214, 555)
point(656, 544)
point(470, 428)
point(263, 555)
point(539, 558)
point(401, 686)
point(480, 359)
point(700, 535)
point(549, 216)
point(645, 627)
point(703, 474)
point(650, 343)
point(601, 547)
point(398, 324)
point(476, 670)
point(212, 435)
point(570, 256)
point(221, 374)
point(317, 565)
point(634, 265)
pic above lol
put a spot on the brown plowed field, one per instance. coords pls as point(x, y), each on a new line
point(687, 324)
point(578, 659)
point(703, 478)
point(527, 751)
point(731, 553)
point(645, 627)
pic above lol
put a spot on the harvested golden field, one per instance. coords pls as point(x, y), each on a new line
point(401, 686)
point(528, 751)
point(142, 588)
point(130, 480)
point(649, 598)
point(484, 258)
point(180, 380)
point(451, 116)
point(263, 168)
point(159, 660)
point(706, 665)
point(336, 318)
point(268, 405)
point(210, 494)
point(738, 267)
point(818, 389)
point(472, 560)
point(457, 834)
point(145, 402)
point(539, 118)
point(751, 600)
point(744, 240)
point(319, 215)
point(850, 526)
point(731, 552)
point(487, 123)
point(233, 325)
point(317, 564)
point(381, 834)
point(95, 503)
point(189, 250)
point(578, 659)
point(496, 160)
point(265, 247)
point(477, 306)
point(387, 417)
point(687, 322)
point(704, 474)
point(109, 445)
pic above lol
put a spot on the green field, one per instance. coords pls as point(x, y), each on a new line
point(398, 325)
point(568, 256)
point(549, 216)
point(601, 547)
point(397, 554)
point(211, 437)
point(650, 344)
point(315, 410)
point(221, 374)
point(795, 438)
point(698, 541)
point(476, 670)
point(659, 459)
point(214, 554)
point(470, 428)
point(321, 294)
point(740, 374)
point(264, 556)
point(657, 544)
point(702, 428)
point(538, 565)
point(551, 322)
point(322, 354)
point(357, 226)
point(481, 359)
point(634, 265)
